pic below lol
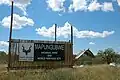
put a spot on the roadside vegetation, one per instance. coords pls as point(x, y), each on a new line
point(95, 69)
point(99, 72)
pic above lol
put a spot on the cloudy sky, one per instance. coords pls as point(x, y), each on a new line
point(96, 23)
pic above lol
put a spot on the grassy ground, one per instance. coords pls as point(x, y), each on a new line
point(99, 72)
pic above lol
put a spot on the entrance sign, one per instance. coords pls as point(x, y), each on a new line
point(48, 51)
point(32, 50)
point(34, 54)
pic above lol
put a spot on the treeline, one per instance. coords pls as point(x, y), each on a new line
point(102, 57)
point(3, 57)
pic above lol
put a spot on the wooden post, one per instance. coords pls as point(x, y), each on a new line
point(9, 55)
point(72, 44)
point(66, 54)
point(71, 35)
point(55, 31)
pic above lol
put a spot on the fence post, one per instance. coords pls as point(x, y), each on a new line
point(9, 55)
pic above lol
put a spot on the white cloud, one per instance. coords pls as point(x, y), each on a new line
point(4, 46)
point(60, 14)
point(4, 43)
point(65, 32)
point(92, 34)
point(107, 6)
point(21, 4)
point(4, 2)
point(94, 6)
point(18, 21)
point(2, 50)
point(78, 5)
point(56, 5)
point(91, 43)
point(118, 2)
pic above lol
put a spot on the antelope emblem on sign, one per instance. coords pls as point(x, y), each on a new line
point(26, 51)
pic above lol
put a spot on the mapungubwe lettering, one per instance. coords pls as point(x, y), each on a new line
point(49, 47)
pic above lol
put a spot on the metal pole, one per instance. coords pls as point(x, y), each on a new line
point(72, 44)
point(55, 31)
point(71, 35)
point(10, 36)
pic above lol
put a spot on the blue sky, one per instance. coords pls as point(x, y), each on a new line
point(96, 22)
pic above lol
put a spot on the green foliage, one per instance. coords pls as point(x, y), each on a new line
point(3, 57)
point(108, 55)
point(97, 60)
point(103, 56)
point(117, 58)
point(2, 53)
point(86, 60)
point(99, 72)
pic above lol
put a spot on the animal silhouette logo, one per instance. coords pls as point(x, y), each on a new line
point(26, 51)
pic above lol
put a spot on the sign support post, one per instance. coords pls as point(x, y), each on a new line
point(71, 35)
point(55, 31)
point(11, 24)
point(72, 44)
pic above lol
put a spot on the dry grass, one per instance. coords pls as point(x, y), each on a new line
point(99, 72)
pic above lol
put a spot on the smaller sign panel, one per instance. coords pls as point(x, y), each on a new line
point(49, 52)
point(26, 51)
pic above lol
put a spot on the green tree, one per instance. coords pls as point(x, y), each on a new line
point(3, 57)
point(117, 58)
point(2, 53)
point(108, 55)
